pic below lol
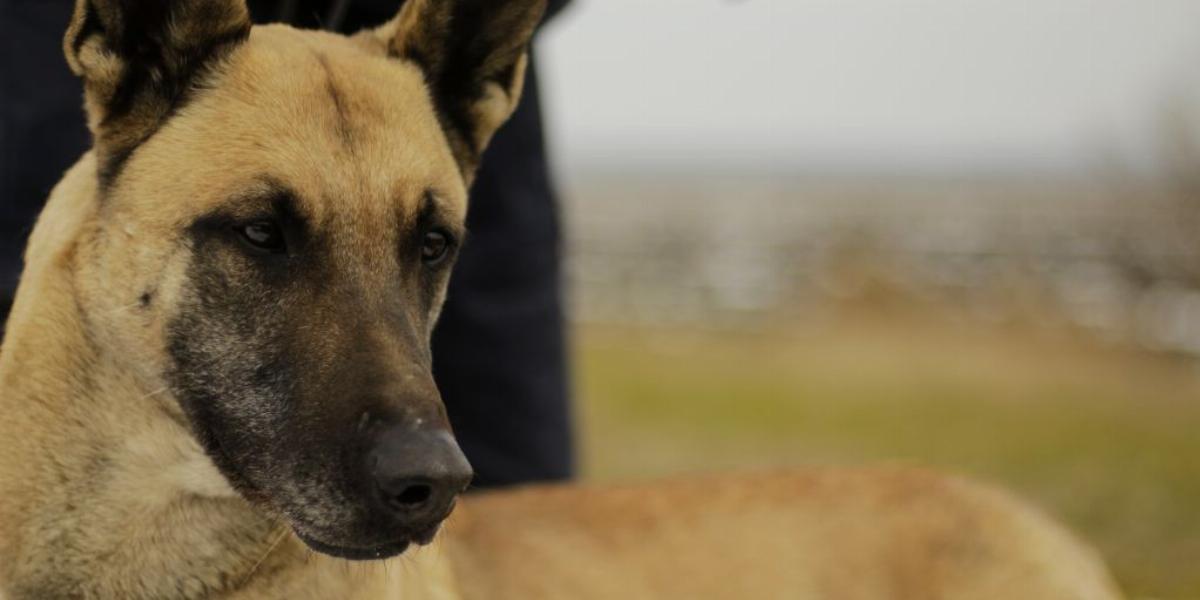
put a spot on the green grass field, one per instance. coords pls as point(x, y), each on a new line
point(1108, 440)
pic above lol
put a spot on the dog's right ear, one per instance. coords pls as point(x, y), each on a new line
point(473, 54)
point(140, 58)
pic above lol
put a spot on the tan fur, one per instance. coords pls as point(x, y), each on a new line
point(105, 493)
point(820, 533)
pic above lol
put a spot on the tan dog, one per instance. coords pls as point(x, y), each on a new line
point(218, 358)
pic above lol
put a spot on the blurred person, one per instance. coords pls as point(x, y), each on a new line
point(499, 350)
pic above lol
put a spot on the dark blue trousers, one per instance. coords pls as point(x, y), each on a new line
point(499, 353)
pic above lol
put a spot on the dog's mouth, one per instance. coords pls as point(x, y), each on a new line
point(376, 552)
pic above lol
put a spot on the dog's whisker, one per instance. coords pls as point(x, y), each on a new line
point(440, 550)
point(261, 559)
point(155, 392)
point(121, 309)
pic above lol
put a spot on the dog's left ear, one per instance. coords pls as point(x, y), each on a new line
point(473, 54)
point(139, 59)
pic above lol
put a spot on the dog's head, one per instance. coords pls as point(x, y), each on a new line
point(278, 214)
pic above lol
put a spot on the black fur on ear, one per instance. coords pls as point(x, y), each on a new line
point(139, 59)
point(473, 54)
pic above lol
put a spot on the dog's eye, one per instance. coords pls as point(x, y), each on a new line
point(263, 235)
point(434, 247)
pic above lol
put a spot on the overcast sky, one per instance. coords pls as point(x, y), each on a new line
point(876, 84)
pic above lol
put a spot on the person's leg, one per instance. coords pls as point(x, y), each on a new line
point(42, 130)
point(499, 351)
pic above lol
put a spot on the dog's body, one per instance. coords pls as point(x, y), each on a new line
point(815, 534)
point(218, 358)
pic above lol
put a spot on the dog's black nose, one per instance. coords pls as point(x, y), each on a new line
point(418, 474)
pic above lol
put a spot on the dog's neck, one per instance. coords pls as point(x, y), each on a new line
point(105, 491)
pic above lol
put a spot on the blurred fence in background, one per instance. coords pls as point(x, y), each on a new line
point(1114, 255)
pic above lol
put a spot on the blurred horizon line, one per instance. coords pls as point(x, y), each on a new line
point(568, 170)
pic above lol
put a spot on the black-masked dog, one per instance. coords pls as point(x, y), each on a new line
point(218, 359)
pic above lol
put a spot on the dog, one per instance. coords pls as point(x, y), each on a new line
point(216, 376)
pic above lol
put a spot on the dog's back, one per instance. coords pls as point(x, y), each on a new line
point(827, 533)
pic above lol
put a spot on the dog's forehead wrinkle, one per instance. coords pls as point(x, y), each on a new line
point(336, 97)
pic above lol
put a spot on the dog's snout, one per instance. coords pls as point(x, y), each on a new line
point(418, 474)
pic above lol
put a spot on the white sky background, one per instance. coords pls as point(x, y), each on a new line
point(917, 85)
